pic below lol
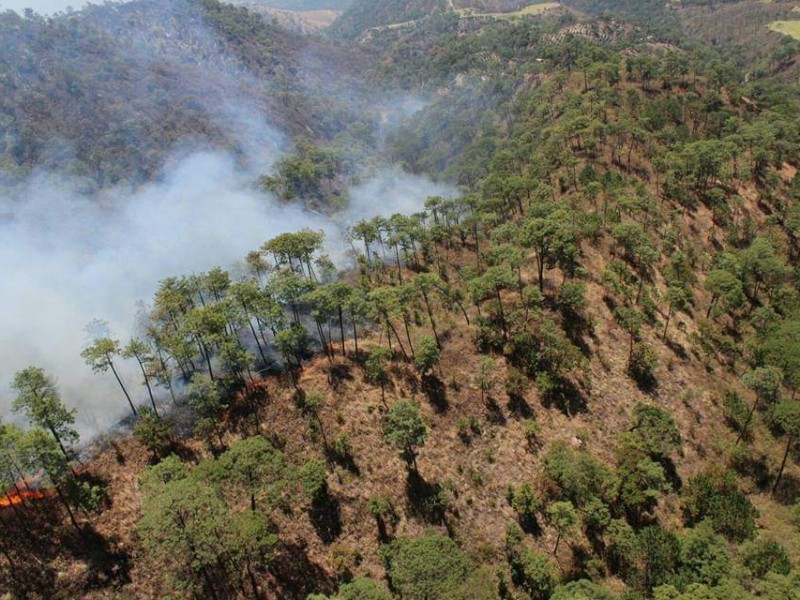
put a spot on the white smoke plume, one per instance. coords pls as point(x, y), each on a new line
point(66, 259)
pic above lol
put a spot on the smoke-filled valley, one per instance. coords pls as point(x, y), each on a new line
point(400, 299)
point(97, 211)
point(70, 258)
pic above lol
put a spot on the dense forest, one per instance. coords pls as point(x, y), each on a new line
point(575, 378)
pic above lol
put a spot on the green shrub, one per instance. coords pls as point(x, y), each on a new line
point(582, 590)
point(704, 556)
point(426, 567)
point(363, 589)
point(534, 573)
point(579, 475)
point(642, 364)
point(716, 496)
point(765, 556)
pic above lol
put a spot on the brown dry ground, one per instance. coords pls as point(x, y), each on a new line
point(690, 386)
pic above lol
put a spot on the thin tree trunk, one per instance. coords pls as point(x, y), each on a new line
point(341, 330)
point(122, 385)
point(355, 335)
point(430, 317)
point(783, 463)
point(147, 384)
point(746, 425)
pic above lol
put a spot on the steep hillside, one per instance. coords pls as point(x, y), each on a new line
point(574, 379)
point(362, 15)
point(109, 92)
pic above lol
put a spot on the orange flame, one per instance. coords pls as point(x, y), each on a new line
point(14, 498)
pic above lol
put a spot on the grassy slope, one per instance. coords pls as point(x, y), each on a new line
point(479, 471)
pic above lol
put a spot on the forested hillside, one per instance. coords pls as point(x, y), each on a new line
point(110, 92)
point(575, 378)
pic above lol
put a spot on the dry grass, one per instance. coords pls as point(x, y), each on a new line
point(790, 28)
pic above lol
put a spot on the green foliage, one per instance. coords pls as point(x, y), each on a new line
point(579, 475)
point(38, 399)
point(642, 480)
point(426, 567)
point(363, 588)
point(582, 590)
point(572, 297)
point(524, 502)
point(622, 546)
point(255, 467)
point(562, 518)
point(204, 397)
point(642, 364)
point(657, 430)
point(482, 584)
point(405, 429)
point(427, 355)
point(376, 366)
point(533, 572)
point(517, 383)
point(181, 525)
point(765, 382)
point(704, 556)
point(153, 433)
point(314, 479)
point(659, 552)
point(736, 411)
point(765, 556)
point(715, 495)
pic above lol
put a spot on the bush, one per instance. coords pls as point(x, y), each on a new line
point(363, 589)
point(532, 431)
point(581, 590)
point(579, 475)
point(153, 433)
point(341, 446)
point(481, 585)
point(642, 364)
point(572, 297)
point(427, 355)
point(344, 559)
point(533, 572)
point(735, 410)
point(716, 496)
point(659, 551)
point(622, 547)
point(426, 567)
point(525, 503)
point(704, 556)
point(765, 556)
point(517, 383)
point(657, 429)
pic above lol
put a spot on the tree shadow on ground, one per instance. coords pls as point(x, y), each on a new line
point(519, 406)
point(494, 414)
point(344, 460)
point(788, 490)
point(425, 500)
point(566, 397)
point(326, 517)
point(436, 393)
point(339, 373)
point(296, 576)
